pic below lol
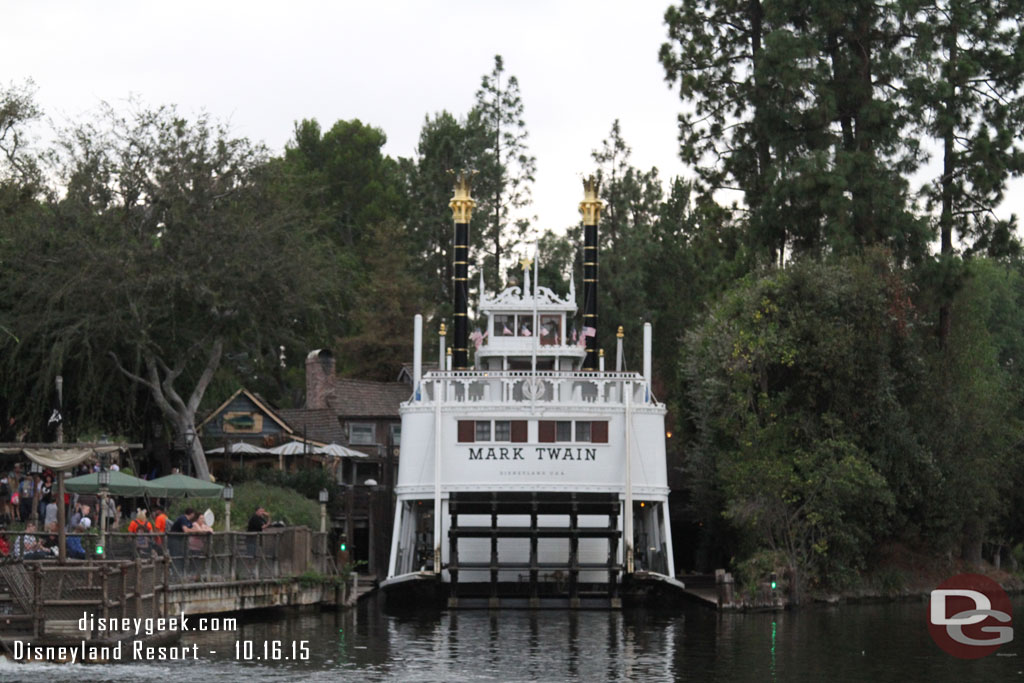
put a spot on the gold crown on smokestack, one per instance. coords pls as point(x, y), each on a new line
point(591, 206)
point(462, 203)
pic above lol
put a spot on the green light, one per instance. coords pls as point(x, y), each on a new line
point(773, 585)
point(344, 547)
point(99, 550)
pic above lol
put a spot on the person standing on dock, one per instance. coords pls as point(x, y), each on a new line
point(259, 521)
point(160, 523)
point(184, 524)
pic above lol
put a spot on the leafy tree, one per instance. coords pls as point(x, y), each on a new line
point(388, 296)
point(167, 252)
point(505, 167)
point(345, 180)
point(800, 382)
point(18, 110)
point(969, 415)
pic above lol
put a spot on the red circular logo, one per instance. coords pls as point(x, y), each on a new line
point(970, 616)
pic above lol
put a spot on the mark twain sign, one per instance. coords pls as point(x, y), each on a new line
point(540, 453)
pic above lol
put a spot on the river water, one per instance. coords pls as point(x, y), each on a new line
point(846, 643)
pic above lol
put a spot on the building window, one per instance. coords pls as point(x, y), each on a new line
point(396, 435)
point(502, 430)
point(483, 430)
point(361, 434)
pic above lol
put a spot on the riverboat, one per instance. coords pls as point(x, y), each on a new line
point(530, 475)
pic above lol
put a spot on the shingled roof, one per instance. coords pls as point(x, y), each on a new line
point(315, 424)
point(365, 398)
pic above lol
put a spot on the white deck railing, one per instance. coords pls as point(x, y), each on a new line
point(543, 386)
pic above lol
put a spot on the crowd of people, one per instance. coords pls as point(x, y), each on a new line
point(26, 497)
point(32, 500)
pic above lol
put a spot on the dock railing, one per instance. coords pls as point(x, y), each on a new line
point(55, 597)
point(274, 553)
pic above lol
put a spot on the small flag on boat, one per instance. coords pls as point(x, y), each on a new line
point(507, 332)
point(587, 332)
point(524, 331)
point(477, 338)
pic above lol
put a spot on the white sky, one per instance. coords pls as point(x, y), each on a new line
point(261, 66)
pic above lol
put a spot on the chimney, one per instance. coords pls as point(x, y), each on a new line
point(319, 379)
point(590, 207)
point(462, 209)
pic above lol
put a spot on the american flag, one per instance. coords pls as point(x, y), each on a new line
point(587, 332)
point(477, 338)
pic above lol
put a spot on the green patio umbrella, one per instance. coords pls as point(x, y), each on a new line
point(121, 484)
point(181, 486)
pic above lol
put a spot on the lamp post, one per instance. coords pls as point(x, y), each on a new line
point(229, 493)
point(103, 476)
point(323, 510)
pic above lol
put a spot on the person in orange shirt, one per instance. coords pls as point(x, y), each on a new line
point(159, 523)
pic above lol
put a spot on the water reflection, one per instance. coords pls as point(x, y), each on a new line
point(851, 643)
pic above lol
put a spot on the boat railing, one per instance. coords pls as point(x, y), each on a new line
point(517, 386)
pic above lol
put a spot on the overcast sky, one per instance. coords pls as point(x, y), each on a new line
point(261, 66)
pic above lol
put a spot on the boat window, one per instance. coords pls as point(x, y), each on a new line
point(504, 325)
point(583, 431)
point(550, 330)
point(563, 431)
point(525, 325)
point(483, 430)
point(502, 430)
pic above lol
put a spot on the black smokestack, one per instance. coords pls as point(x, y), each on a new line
point(462, 209)
point(590, 207)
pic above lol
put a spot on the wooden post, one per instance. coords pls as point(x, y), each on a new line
point(105, 578)
point(37, 601)
point(167, 583)
point(232, 564)
point(62, 557)
point(123, 593)
point(138, 587)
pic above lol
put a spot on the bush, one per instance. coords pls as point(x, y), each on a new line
point(283, 504)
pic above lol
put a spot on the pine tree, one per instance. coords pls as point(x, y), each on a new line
point(966, 88)
point(505, 167)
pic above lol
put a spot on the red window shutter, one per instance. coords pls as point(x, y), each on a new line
point(518, 431)
point(546, 431)
point(599, 432)
point(467, 431)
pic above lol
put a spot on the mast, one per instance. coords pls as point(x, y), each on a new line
point(462, 209)
point(590, 207)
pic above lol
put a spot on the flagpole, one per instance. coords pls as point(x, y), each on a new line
point(536, 328)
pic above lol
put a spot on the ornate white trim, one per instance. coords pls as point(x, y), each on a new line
point(515, 298)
